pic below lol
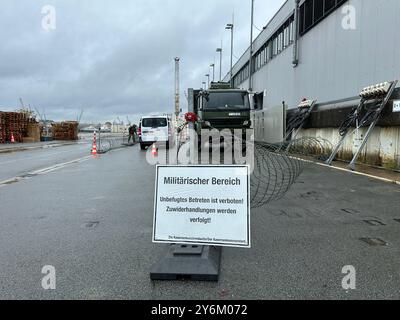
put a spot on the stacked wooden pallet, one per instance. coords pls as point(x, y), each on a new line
point(13, 125)
point(2, 128)
point(65, 130)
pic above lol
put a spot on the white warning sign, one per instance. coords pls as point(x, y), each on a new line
point(205, 205)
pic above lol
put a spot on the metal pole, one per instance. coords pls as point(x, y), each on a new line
point(230, 27)
point(220, 65)
point(208, 80)
point(296, 35)
point(232, 56)
point(213, 68)
point(372, 125)
point(99, 140)
point(177, 106)
point(336, 150)
point(251, 46)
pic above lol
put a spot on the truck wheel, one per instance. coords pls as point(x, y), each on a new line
point(142, 146)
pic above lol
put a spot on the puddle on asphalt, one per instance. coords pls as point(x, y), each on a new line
point(374, 242)
point(375, 223)
point(91, 224)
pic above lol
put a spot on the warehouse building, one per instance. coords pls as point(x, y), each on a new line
point(332, 57)
point(328, 51)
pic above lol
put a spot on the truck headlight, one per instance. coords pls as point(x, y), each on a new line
point(247, 123)
point(207, 123)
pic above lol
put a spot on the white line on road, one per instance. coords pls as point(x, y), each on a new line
point(349, 171)
point(41, 156)
point(44, 170)
point(59, 166)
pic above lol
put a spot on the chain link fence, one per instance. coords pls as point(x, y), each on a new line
point(110, 141)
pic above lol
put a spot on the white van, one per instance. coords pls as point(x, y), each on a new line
point(154, 129)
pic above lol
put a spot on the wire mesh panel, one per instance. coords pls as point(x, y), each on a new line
point(108, 142)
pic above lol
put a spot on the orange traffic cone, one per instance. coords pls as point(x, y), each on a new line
point(154, 150)
point(12, 138)
point(94, 146)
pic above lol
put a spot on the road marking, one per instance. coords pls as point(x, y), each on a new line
point(43, 171)
point(360, 173)
point(41, 156)
point(58, 166)
point(348, 171)
point(22, 148)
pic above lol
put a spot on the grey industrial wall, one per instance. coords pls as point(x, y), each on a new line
point(334, 63)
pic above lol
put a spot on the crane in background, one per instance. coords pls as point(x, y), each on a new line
point(22, 103)
point(46, 131)
point(79, 118)
point(26, 110)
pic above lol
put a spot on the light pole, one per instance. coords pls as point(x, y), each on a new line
point(229, 26)
point(208, 78)
point(177, 105)
point(251, 46)
point(220, 63)
point(204, 85)
point(212, 65)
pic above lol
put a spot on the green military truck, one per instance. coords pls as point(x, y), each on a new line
point(220, 107)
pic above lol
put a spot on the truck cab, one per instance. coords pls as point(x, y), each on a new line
point(221, 108)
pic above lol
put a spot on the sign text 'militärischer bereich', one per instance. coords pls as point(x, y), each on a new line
point(200, 181)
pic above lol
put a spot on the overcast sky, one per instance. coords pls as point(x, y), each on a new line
point(115, 58)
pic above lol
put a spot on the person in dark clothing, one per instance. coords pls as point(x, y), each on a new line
point(132, 133)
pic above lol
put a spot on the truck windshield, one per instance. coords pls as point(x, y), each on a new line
point(224, 100)
point(154, 122)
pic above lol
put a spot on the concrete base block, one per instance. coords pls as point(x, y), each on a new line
point(197, 263)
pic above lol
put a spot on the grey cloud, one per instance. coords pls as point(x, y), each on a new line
point(114, 58)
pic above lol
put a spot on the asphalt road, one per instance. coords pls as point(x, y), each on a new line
point(92, 221)
point(18, 163)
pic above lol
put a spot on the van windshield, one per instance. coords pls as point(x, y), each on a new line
point(154, 122)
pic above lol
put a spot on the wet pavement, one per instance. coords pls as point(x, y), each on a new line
point(14, 164)
point(92, 221)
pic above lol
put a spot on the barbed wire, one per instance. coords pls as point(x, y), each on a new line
point(277, 166)
point(273, 174)
point(318, 148)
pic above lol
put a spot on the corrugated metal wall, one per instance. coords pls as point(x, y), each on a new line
point(382, 149)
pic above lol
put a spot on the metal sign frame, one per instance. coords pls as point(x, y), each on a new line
point(247, 245)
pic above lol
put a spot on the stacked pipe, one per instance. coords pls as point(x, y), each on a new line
point(65, 130)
